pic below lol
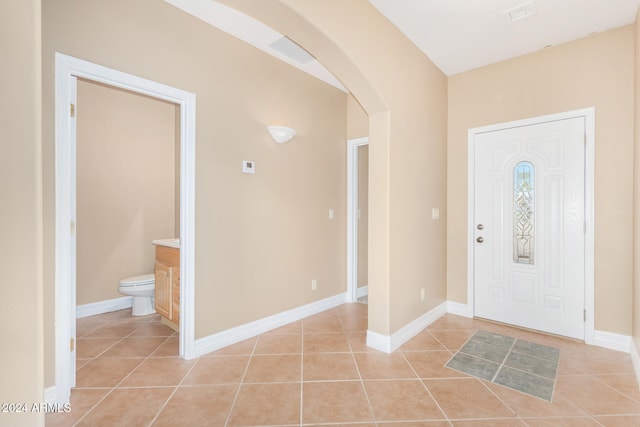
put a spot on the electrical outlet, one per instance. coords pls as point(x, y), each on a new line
point(314, 284)
point(422, 294)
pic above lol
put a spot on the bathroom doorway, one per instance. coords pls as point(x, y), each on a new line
point(68, 71)
point(127, 187)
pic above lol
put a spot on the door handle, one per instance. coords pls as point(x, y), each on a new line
point(480, 239)
point(480, 227)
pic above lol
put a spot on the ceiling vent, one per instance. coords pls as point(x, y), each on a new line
point(521, 12)
point(291, 50)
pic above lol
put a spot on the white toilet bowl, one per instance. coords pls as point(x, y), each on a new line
point(142, 289)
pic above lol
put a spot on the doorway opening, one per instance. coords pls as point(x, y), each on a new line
point(68, 71)
point(357, 219)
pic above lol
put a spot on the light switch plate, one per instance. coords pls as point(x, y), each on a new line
point(248, 166)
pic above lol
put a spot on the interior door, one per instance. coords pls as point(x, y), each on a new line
point(529, 237)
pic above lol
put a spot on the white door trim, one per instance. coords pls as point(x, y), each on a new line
point(67, 70)
point(352, 216)
point(589, 291)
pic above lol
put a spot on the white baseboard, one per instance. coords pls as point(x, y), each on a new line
point(604, 339)
point(459, 309)
point(635, 359)
point(249, 330)
point(612, 341)
point(101, 307)
point(391, 343)
point(362, 291)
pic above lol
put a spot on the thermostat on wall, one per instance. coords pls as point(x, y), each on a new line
point(248, 166)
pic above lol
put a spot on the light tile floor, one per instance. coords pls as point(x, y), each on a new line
point(319, 371)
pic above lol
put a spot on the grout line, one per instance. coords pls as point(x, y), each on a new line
point(343, 317)
point(241, 382)
point(176, 387)
point(446, 417)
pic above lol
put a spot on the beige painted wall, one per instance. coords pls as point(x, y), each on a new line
point(262, 238)
point(357, 119)
point(363, 217)
point(126, 196)
point(636, 192)
point(595, 71)
point(21, 322)
point(405, 96)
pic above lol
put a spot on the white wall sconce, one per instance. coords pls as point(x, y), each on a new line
point(281, 134)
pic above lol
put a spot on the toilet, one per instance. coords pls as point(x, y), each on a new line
point(142, 289)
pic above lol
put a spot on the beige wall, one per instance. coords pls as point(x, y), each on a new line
point(262, 238)
point(126, 196)
point(636, 192)
point(363, 215)
point(596, 71)
point(357, 119)
point(21, 320)
point(405, 96)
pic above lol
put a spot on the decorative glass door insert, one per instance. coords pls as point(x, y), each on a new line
point(523, 213)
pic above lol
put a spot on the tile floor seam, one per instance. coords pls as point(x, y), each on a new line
point(241, 381)
point(446, 417)
point(364, 389)
point(504, 360)
point(618, 387)
point(113, 388)
point(116, 386)
point(594, 376)
point(93, 407)
point(436, 338)
point(139, 364)
point(506, 405)
point(615, 388)
point(175, 390)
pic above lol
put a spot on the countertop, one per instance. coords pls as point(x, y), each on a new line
point(170, 243)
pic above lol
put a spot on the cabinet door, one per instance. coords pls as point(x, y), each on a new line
point(164, 279)
point(175, 310)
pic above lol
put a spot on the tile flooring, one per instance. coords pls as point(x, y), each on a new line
point(319, 371)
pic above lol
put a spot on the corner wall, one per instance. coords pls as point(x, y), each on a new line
point(405, 96)
point(595, 71)
point(636, 198)
point(21, 322)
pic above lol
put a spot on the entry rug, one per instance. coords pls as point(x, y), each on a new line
point(520, 365)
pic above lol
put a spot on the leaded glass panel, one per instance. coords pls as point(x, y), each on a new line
point(523, 213)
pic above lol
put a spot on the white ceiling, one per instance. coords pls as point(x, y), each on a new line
point(457, 35)
point(460, 35)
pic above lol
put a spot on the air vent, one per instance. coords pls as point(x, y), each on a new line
point(521, 12)
point(291, 50)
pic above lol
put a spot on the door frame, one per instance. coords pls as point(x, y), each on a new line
point(589, 256)
point(67, 70)
point(352, 216)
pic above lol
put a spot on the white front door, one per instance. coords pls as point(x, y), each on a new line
point(529, 230)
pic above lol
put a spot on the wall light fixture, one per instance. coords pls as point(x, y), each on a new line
point(281, 134)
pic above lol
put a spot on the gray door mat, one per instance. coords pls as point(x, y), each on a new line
point(520, 365)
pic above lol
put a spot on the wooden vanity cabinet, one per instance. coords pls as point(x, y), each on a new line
point(167, 273)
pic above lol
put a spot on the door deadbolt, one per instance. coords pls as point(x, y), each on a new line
point(480, 239)
point(480, 227)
